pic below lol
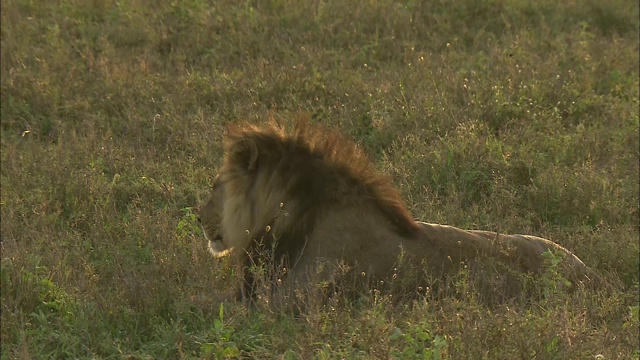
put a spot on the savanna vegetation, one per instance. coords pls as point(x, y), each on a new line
point(508, 115)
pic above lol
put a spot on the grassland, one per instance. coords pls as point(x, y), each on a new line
point(509, 115)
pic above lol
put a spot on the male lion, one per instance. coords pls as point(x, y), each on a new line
point(312, 196)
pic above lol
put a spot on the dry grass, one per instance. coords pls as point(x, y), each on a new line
point(507, 114)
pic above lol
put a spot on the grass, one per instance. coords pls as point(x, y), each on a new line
point(504, 115)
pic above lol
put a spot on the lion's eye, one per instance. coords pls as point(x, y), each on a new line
point(198, 218)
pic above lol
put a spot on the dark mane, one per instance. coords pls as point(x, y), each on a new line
point(317, 167)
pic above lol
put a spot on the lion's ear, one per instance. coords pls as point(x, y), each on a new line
point(245, 152)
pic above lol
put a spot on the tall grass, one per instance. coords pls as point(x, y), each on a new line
point(504, 115)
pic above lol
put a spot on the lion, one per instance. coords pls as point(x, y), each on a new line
point(310, 196)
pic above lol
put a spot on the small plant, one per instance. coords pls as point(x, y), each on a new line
point(552, 279)
point(222, 346)
point(419, 343)
point(188, 225)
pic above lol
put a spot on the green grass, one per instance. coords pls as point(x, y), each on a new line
point(506, 115)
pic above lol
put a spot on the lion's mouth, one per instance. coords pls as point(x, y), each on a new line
point(217, 248)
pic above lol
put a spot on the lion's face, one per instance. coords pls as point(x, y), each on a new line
point(210, 217)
